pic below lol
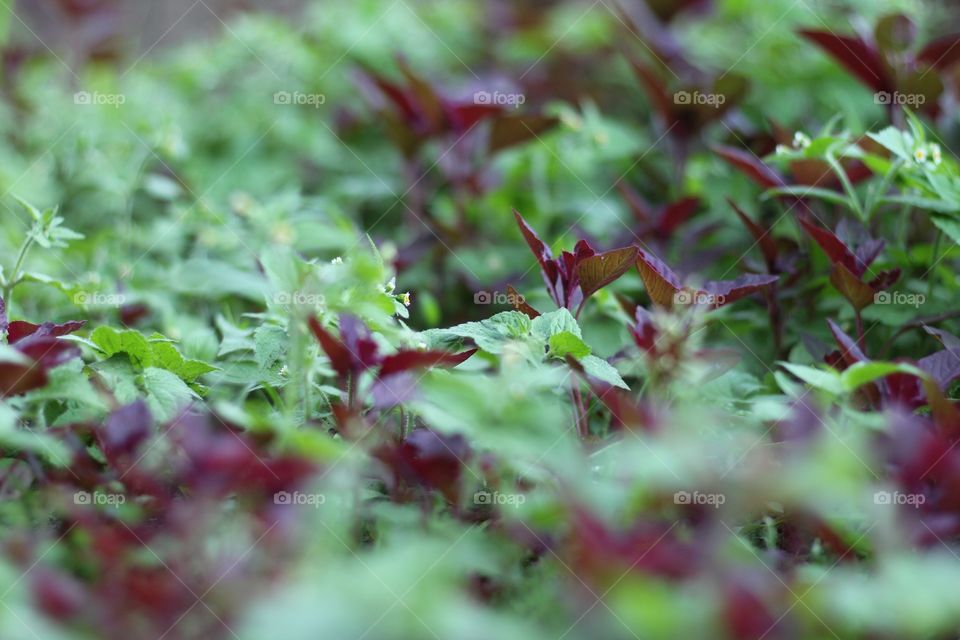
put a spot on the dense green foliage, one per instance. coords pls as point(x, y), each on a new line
point(278, 361)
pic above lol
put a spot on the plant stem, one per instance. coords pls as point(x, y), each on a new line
point(933, 262)
point(14, 279)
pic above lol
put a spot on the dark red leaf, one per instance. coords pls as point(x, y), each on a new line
point(836, 250)
point(17, 378)
point(19, 329)
point(48, 351)
point(596, 272)
point(941, 53)
point(857, 292)
point(768, 246)
point(124, 431)
point(752, 166)
point(728, 291)
point(512, 130)
point(943, 366)
point(850, 352)
point(339, 357)
point(858, 57)
point(520, 303)
point(661, 281)
point(409, 360)
point(676, 213)
point(885, 279)
point(644, 331)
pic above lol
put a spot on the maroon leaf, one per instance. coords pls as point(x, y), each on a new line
point(644, 331)
point(728, 291)
point(885, 279)
point(661, 281)
point(19, 329)
point(749, 164)
point(600, 270)
point(520, 304)
point(676, 213)
point(836, 250)
point(857, 292)
point(339, 357)
point(858, 57)
point(18, 377)
point(656, 90)
point(850, 353)
point(512, 130)
point(409, 360)
point(48, 351)
point(768, 246)
point(941, 53)
point(943, 366)
point(124, 431)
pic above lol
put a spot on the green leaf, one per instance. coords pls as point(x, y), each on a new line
point(863, 373)
point(166, 393)
point(111, 342)
point(824, 379)
point(565, 343)
point(549, 324)
point(602, 370)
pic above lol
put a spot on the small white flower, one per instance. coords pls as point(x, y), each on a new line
point(782, 149)
point(406, 299)
point(801, 140)
point(920, 155)
point(337, 260)
point(936, 153)
point(422, 346)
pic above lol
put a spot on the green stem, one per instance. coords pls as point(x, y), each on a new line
point(847, 185)
point(933, 263)
point(14, 279)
